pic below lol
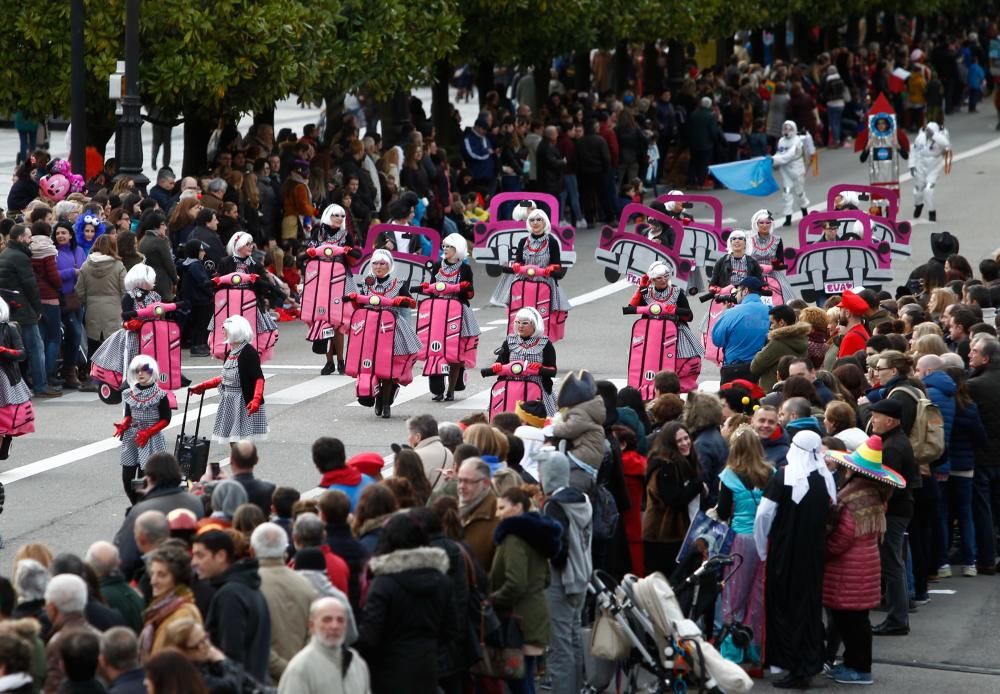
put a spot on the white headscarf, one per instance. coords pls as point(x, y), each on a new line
point(528, 313)
point(458, 242)
point(805, 455)
point(735, 232)
point(382, 254)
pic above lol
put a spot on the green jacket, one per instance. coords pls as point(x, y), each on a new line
point(520, 572)
point(787, 340)
point(120, 595)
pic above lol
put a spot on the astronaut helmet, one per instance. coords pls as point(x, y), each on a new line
point(788, 128)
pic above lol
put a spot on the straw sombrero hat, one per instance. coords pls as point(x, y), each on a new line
point(867, 460)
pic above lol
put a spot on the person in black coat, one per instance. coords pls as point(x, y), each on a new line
point(242, 460)
point(334, 509)
point(551, 163)
point(197, 290)
point(206, 230)
point(408, 616)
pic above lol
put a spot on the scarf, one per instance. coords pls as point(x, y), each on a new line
point(158, 611)
point(42, 247)
point(346, 476)
point(865, 499)
point(466, 510)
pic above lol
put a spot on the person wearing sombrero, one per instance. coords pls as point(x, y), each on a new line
point(851, 578)
point(897, 454)
point(789, 531)
point(853, 311)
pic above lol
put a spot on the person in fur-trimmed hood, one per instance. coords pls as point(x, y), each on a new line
point(703, 417)
point(786, 336)
point(581, 418)
point(407, 618)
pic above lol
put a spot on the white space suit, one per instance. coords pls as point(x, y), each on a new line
point(929, 153)
point(790, 159)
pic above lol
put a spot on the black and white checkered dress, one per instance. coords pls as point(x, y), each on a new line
point(449, 274)
point(13, 394)
point(144, 408)
point(122, 346)
point(766, 252)
point(265, 323)
point(405, 340)
point(232, 423)
point(534, 254)
point(532, 351)
point(687, 346)
point(738, 269)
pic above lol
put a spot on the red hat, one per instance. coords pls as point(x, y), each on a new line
point(756, 392)
point(854, 303)
point(182, 519)
point(367, 463)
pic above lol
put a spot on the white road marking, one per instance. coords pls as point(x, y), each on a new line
point(596, 294)
point(310, 389)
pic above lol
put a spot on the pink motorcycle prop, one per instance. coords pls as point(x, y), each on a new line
point(370, 357)
point(513, 385)
point(527, 292)
point(625, 253)
point(235, 296)
point(496, 239)
point(159, 338)
point(324, 309)
point(654, 349)
point(439, 328)
point(882, 206)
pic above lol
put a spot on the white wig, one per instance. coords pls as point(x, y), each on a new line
point(4, 312)
point(458, 242)
point(521, 211)
point(327, 216)
point(658, 269)
point(672, 205)
point(238, 330)
point(141, 275)
point(735, 234)
point(527, 213)
point(528, 313)
point(239, 240)
point(141, 362)
point(383, 254)
point(757, 216)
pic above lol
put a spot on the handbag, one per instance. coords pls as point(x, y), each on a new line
point(608, 639)
point(505, 661)
point(71, 302)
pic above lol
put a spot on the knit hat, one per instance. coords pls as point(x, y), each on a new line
point(227, 496)
point(367, 463)
point(553, 470)
point(182, 519)
point(531, 412)
point(850, 301)
point(756, 392)
point(577, 389)
point(867, 460)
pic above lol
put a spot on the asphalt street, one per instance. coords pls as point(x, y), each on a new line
point(63, 483)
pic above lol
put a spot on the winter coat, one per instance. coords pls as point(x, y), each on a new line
point(46, 272)
point(54, 676)
point(68, 261)
point(817, 348)
point(120, 596)
point(703, 130)
point(967, 434)
point(583, 427)
point(159, 257)
point(854, 340)
point(941, 391)
point(101, 285)
point(671, 485)
point(776, 447)
point(550, 168)
point(984, 386)
point(343, 544)
point(635, 477)
point(434, 457)
point(216, 252)
point(791, 340)
point(853, 569)
point(196, 286)
point(16, 275)
point(188, 610)
point(592, 155)
point(478, 528)
point(317, 669)
point(407, 620)
point(520, 572)
point(712, 454)
point(229, 677)
point(238, 619)
point(164, 499)
point(908, 404)
point(288, 596)
point(897, 454)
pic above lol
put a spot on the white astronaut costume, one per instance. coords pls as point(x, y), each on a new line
point(790, 159)
point(931, 149)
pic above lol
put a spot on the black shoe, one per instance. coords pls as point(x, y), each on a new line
point(386, 411)
point(327, 369)
point(886, 629)
point(438, 398)
point(378, 405)
point(804, 211)
point(185, 381)
point(791, 682)
point(917, 210)
point(788, 221)
point(5, 447)
point(450, 397)
point(932, 216)
point(201, 351)
point(341, 366)
point(56, 382)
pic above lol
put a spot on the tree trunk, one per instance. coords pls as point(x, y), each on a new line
point(266, 116)
point(581, 64)
point(757, 46)
point(484, 79)
point(781, 51)
point(542, 83)
point(652, 73)
point(440, 105)
point(619, 68)
point(853, 30)
point(723, 49)
point(334, 102)
point(675, 64)
point(197, 132)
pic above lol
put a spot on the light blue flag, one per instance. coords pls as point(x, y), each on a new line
point(750, 177)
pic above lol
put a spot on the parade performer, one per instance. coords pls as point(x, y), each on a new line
point(382, 289)
point(147, 414)
point(118, 351)
point(539, 249)
point(529, 344)
point(931, 156)
point(881, 144)
point(239, 259)
point(241, 412)
point(769, 251)
point(331, 231)
point(453, 276)
point(735, 265)
point(655, 289)
point(790, 160)
point(17, 416)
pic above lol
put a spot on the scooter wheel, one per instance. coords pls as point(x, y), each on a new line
point(109, 395)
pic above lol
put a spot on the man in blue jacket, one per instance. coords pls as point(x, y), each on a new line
point(479, 155)
point(741, 331)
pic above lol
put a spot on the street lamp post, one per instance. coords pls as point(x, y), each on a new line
point(78, 92)
point(130, 156)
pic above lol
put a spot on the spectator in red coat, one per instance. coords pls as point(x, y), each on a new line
point(851, 579)
point(853, 308)
point(634, 467)
point(308, 531)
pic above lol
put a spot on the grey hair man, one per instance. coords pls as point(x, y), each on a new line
point(119, 661)
point(103, 559)
point(326, 665)
point(65, 600)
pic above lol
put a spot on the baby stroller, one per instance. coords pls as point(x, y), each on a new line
point(653, 643)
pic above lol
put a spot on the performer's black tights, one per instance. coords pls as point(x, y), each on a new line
point(130, 473)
